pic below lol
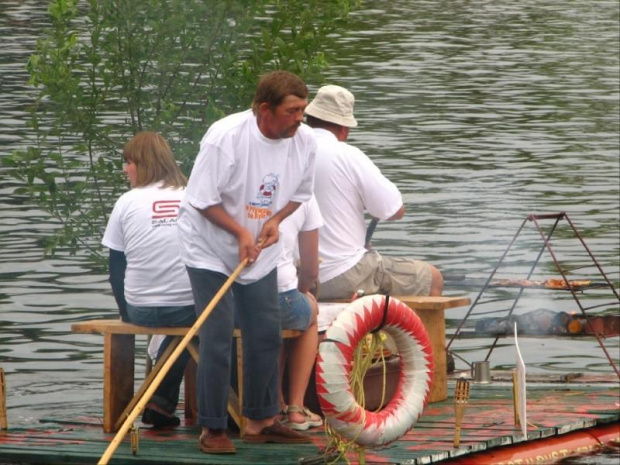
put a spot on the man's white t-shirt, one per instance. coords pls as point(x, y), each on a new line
point(143, 225)
point(306, 218)
point(252, 177)
point(347, 183)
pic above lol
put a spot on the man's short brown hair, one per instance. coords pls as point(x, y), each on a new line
point(275, 86)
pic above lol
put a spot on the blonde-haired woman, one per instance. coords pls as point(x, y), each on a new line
point(149, 280)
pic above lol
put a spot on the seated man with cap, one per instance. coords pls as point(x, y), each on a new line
point(347, 185)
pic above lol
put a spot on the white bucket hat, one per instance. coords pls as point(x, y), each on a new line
point(333, 104)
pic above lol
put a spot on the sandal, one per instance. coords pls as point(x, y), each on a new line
point(311, 420)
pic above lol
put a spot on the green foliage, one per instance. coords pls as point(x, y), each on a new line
point(107, 69)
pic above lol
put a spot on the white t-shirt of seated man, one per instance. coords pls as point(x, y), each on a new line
point(347, 184)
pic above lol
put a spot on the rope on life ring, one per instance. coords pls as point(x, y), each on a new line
point(342, 412)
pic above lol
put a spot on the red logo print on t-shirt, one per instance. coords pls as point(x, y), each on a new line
point(166, 209)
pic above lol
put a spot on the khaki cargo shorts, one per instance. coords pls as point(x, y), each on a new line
point(377, 274)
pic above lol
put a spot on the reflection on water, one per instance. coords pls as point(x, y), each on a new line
point(482, 112)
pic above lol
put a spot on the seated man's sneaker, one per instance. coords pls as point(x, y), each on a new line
point(153, 415)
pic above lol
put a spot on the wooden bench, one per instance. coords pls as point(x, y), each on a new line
point(119, 359)
point(119, 373)
point(431, 311)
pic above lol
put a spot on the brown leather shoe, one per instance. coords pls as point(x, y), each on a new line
point(278, 434)
point(216, 442)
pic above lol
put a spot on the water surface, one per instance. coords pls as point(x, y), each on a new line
point(482, 113)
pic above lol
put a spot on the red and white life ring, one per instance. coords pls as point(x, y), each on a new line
point(341, 410)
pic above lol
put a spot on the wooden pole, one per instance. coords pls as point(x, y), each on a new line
point(105, 458)
point(515, 397)
point(461, 398)
point(3, 422)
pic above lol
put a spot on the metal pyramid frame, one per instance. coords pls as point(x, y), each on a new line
point(546, 239)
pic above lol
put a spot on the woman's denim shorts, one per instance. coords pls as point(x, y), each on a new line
point(295, 309)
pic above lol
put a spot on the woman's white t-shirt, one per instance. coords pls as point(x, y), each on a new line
point(143, 225)
point(306, 218)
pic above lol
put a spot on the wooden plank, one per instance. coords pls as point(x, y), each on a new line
point(424, 302)
point(118, 376)
point(111, 326)
point(433, 303)
point(3, 420)
point(193, 349)
point(431, 311)
point(234, 410)
point(191, 405)
point(434, 322)
point(190, 379)
point(120, 419)
point(286, 333)
point(120, 327)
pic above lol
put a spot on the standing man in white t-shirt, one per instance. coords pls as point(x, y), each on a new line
point(348, 184)
point(253, 170)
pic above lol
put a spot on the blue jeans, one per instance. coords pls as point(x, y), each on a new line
point(167, 394)
point(258, 314)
